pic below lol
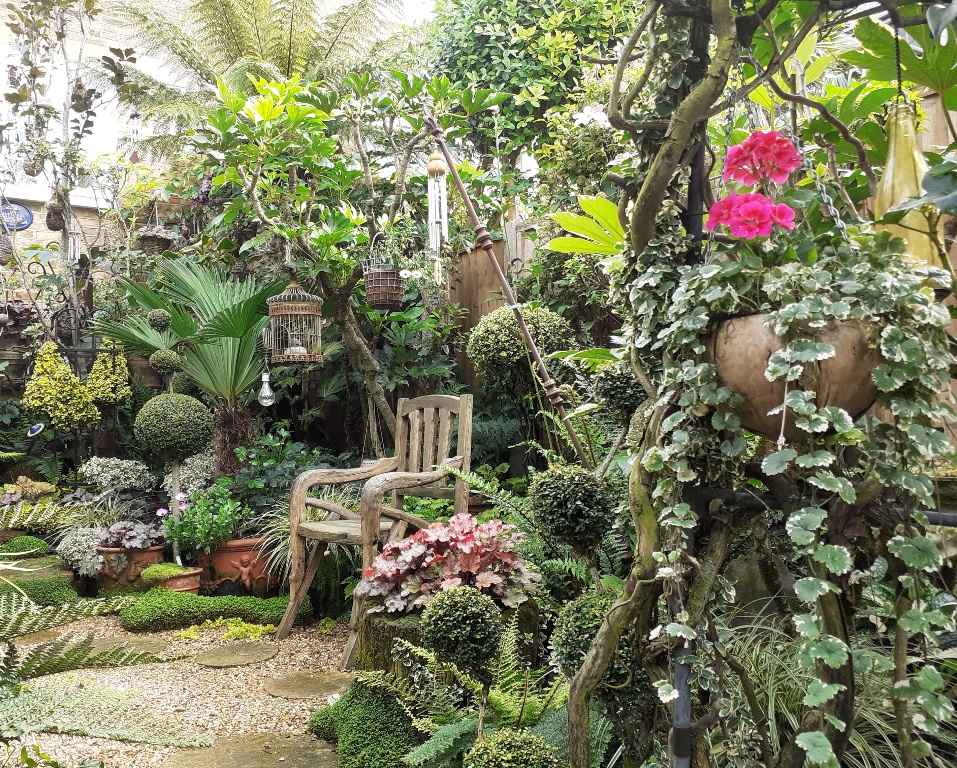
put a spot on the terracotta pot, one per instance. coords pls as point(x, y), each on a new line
point(741, 346)
point(236, 567)
point(188, 581)
point(123, 575)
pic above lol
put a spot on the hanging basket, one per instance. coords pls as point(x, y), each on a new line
point(33, 167)
point(55, 220)
point(153, 245)
point(741, 346)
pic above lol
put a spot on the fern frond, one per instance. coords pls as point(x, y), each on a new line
point(66, 654)
point(575, 568)
point(26, 617)
point(519, 506)
point(351, 28)
point(81, 709)
point(444, 745)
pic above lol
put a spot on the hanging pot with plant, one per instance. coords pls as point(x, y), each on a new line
point(55, 219)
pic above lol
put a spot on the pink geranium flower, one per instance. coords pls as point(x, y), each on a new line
point(763, 155)
point(750, 215)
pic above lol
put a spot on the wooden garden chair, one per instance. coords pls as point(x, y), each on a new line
point(423, 443)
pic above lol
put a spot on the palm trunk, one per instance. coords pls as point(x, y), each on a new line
point(233, 426)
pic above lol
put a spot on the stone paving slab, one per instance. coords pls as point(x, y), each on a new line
point(42, 636)
point(237, 655)
point(258, 750)
point(146, 644)
point(308, 685)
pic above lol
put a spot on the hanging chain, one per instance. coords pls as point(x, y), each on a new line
point(897, 62)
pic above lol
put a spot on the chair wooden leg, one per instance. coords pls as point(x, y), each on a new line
point(349, 654)
point(298, 587)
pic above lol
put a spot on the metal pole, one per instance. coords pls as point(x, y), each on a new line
point(484, 240)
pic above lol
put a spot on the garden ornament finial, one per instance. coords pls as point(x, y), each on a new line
point(484, 240)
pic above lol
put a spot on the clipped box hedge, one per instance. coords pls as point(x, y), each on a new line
point(161, 609)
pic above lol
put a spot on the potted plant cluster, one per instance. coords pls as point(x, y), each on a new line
point(128, 548)
point(209, 528)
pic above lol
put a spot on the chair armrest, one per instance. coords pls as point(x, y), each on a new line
point(311, 477)
point(381, 484)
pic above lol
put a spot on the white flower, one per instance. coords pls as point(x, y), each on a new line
point(592, 113)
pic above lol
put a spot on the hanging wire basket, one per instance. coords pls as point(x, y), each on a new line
point(385, 286)
point(294, 334)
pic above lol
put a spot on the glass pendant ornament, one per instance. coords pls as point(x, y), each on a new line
point(266, 395)
point(901, 181)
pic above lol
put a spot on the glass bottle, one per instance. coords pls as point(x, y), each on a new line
point(901, 181)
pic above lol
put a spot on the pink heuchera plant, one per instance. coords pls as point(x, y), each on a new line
point(763, 156)
point(409, 573)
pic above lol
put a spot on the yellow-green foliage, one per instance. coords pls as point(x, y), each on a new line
point(55, 393)
point(236, 629)
point(109, 379)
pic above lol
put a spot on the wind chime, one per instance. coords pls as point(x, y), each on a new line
point(438, 210)
point(902, 177)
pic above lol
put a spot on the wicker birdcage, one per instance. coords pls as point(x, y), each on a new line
point(294, 334)
point(385, 286)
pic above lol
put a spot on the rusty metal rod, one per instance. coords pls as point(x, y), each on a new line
point(484, 240)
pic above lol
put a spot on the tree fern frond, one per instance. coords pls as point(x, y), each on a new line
point(156, 35)
point(25, 617)
point(352, 28)
point(222, 27)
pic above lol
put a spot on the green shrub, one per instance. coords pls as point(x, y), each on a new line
point(512, 749)
point(159, 319)
point(572, 505)
point(165, 361)
point(463, 627)
point(51, 590)
point(36, 547)
point(160, 572)
point(162, 609)
point(55, 394)
point(174, 426)
point(370, 726)
point(617, 388)
point(497, 348)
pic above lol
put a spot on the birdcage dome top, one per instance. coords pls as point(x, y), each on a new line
point(294, 300)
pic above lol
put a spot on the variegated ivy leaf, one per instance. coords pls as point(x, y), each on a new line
point(801, 402)
point(817, 749)
point(916, 552)
point(831, 482)
point(804, 524)
point(813, 423)
point(815, 459)
point(805, 351)
point(681, 630)
point(819, 692)
point(775, 463)
point(831, 650)
point(807, 626)
point(840, 418)
point(833, 557)
point(810, 589)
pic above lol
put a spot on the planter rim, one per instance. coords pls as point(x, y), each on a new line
point(130, 549)
point(240, 543)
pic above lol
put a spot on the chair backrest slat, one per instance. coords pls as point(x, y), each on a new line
point(429, 438)
point(445, 435)
point(414, 463)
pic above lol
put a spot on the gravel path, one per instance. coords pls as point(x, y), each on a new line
point(214, 702)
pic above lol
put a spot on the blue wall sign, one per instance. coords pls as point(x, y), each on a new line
point(16, 216)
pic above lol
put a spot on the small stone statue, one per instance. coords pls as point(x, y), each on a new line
point(245, 571)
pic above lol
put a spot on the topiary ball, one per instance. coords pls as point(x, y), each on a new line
point(510, 749)
point(573, 505)
point(463, 627)
point(575, 629)
point(184, 385)
point(174, 426)
point(497, 348)
point(159, 319)
point(165, 361)
point(617, 388)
